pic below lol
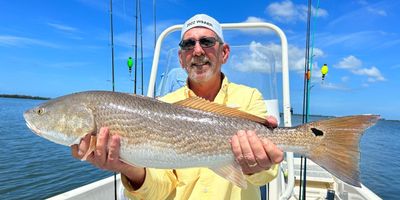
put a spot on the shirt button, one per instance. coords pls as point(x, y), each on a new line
point(205, 190)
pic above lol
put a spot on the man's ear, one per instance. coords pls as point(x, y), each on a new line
point(225, 53)
point(180, 58)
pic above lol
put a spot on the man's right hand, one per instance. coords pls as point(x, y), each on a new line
point(106, 156)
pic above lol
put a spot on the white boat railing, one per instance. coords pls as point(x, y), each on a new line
point(275, 187)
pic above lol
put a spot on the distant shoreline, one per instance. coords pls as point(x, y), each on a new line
point(17, 96)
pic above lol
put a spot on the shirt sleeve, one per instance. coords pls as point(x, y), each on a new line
point(263, 177)
point(256, 105)
point(158, 184)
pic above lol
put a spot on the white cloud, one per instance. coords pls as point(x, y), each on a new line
point(396, 66)
point(256, 31)
point(376, 11)
point(286, 11)
point(62, 27)
point(353, 64)
point(350, 62)
point(16, 41)
point(333, 86)
point(353, 40)
point(373, 74)
point(372, 8)
point(254, 19)
point(255, 58)
point(260, 58)
point(64, 65)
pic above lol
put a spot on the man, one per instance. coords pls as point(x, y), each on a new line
point(202, 54)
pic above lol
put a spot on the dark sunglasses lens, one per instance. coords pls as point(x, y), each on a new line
point(207, 42)
point(204, 42)
point(188, 44)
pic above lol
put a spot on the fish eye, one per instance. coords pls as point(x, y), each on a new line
point(40, 111)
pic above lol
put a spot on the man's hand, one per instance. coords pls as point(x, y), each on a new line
point(106, 156)
point(271, 122)
point(254, 154)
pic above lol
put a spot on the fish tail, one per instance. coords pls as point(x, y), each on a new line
point(338, 152)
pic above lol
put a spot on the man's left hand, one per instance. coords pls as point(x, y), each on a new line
point(253, 153)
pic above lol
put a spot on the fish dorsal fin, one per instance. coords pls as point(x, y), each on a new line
point(205, 105)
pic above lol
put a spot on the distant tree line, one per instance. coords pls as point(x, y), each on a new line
point(23, 96)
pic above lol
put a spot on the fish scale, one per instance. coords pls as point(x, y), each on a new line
point(193, 132)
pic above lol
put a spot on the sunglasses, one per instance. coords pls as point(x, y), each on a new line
point(205, 42)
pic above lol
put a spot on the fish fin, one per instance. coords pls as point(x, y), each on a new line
point(92, 147)
point(233, 173)
point(205, 105)
point(338, 151)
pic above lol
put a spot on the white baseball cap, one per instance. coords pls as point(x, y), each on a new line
point(203, 20)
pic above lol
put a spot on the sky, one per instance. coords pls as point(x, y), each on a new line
point(52, 48)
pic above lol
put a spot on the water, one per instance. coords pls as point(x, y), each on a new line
point(34, 168)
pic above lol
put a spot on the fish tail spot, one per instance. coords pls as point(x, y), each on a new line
point(317, 132)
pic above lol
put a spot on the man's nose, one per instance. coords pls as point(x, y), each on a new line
point(198, 50)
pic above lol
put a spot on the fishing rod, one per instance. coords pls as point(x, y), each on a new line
point(303, 172)
point(113, 81)
point(112, 47)
point(141, 45)
point(154, 23)
point(136, 28)
point(155, 36)
point(307, 88)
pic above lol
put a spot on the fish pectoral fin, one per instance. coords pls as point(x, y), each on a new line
point(233, 173)
point(92, 147)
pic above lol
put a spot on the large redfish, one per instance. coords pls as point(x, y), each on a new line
point(193, 132)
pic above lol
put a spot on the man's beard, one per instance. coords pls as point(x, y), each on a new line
point(196, 66)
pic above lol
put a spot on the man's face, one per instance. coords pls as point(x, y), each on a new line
point(203, 64)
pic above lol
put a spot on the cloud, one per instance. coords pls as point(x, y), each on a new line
point(368, 12)
point(353, 64)
point(256, 31)
point(64, 65)
point(373, 74)
point(372, 9)
point(286, 11)
point(257, 57)
point(396, 66)
point(350, 62)
point(16, 41)
point(62, 27)
point(254, 19)
point(345, 78)
point(352, 40)
point(332, 86)
point(377, 11)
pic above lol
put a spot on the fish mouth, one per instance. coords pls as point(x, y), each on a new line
point(34, 129)
point(52, 137)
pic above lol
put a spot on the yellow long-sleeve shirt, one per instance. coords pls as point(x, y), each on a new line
point(202, 183)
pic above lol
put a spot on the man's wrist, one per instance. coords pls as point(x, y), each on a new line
point(135, 176)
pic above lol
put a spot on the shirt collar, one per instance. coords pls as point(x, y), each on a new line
point(221, 97)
